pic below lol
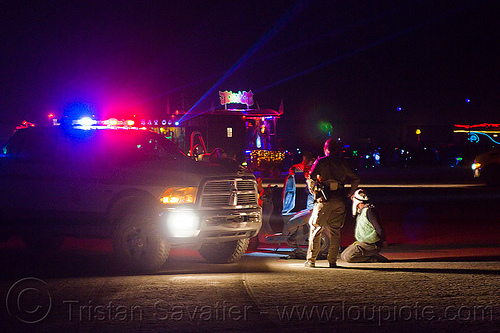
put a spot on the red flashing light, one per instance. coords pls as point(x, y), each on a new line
point(51, 115)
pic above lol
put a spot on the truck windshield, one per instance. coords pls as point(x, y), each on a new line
point(158, 147)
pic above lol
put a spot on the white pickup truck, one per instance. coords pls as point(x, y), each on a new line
point(131, 185)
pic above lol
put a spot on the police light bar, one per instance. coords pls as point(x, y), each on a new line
point(88, 122)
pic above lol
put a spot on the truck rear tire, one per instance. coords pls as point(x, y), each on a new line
point(224, 253)
point(138, 243)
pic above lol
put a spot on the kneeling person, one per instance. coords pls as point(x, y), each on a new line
point(369, 234)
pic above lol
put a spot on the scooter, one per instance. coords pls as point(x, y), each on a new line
point(295, 231)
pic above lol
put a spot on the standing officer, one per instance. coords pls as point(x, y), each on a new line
point(329, 174)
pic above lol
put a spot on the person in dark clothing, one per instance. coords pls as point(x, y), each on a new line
point(369, 234)
point(329, 174)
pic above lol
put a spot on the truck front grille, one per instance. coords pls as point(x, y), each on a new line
point(235, 192)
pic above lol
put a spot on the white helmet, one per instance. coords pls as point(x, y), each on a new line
point(359, 196)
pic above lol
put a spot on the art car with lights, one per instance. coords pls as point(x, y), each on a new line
point(235, 129)
point(484, 137)
point(112, 180)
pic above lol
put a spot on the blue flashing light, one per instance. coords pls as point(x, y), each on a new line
point(176, 123)
point(399, 109)
point(467, 100)
point(85, 122)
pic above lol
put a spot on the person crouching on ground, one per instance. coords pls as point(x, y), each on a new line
point(369, 234)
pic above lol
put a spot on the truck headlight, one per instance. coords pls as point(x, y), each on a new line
point(182, 224)
point(179, 195)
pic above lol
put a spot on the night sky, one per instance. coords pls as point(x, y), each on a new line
point(344, 62)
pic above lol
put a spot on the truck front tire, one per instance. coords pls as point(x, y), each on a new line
point(138, 242)
point(224, 253)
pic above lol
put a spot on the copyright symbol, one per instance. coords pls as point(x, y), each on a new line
point(29, 300)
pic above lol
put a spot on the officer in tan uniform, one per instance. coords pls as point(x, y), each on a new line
point(328, 176)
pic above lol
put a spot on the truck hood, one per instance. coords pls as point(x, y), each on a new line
point(184, 172)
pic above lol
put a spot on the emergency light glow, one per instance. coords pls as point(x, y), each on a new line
point(130, 122)
point(113, 122)
point(86, 121)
